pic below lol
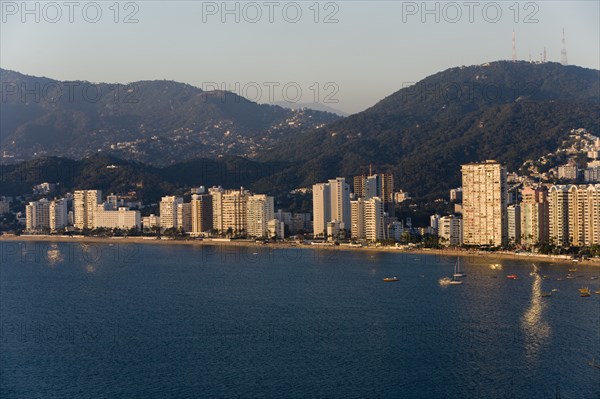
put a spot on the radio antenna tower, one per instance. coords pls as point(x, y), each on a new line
point(563, 51)
point(514, 47)
point(545, 55)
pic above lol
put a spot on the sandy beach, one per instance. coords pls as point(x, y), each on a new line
point(250, 245)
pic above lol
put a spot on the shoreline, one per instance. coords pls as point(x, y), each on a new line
point(490, 257)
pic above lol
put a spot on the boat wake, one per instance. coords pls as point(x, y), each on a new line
point(444, 281)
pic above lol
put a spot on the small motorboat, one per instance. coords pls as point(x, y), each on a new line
point(555, 289)
point(584, 292)
point(546, 294)
point(512, 277)
point(390, 279)
point(593, 363)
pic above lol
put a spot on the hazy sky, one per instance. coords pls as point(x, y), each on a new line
point(366, 51)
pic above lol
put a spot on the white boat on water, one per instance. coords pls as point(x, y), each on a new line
point(457, 272)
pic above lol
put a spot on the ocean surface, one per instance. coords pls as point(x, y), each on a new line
point(158, 321)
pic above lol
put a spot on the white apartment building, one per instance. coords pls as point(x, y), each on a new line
point(340, 201)
point(450, 228)
point(368, 219)
point(484, 205)
point(514, 223)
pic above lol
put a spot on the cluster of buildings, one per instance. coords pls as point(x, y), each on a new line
point(363, 213)
point(237, 213)
point(563, 215)
point(492, 208)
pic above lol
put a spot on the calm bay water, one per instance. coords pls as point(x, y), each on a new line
point(155, 321)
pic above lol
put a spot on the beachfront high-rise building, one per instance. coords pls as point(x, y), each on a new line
point(233, 211)
point(216, 197)
point(149, 223)
point(321, 208)
point(367, 219)
point(85, 203)
point(534, 215)
point(331, 203)
point(484, 207)
point(58, 215)
point(122, 218)
point(357, 215)
point(202, 216)
point(376, 185)
point(450, 229)
point(340, 201)
point(168, 212)
point(514, 224)
point(583, 214)
point(37, 215)
point(259, 211)
point(184, 217)
point(558, 208)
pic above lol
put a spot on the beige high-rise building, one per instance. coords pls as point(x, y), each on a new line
point(583, 214)
point(216, 195)
point(202, 214)
point(376, 185)
point(85, 203)
point(484, 207)
point(534, 215)
point(168, 212)
point(184, 217)
point(37, 215)
point(340, 202)
point(321, 208)
point(58, 214)
point(357, 215)
point(233, 211)
point(259, 211)
point(558, 208)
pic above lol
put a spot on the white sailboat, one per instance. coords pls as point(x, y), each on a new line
point(457, 272)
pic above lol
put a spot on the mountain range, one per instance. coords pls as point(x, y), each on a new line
point(155, 122)
point(509, 111)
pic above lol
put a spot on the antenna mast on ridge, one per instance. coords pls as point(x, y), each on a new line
point(563, 51)
point(514, 47)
